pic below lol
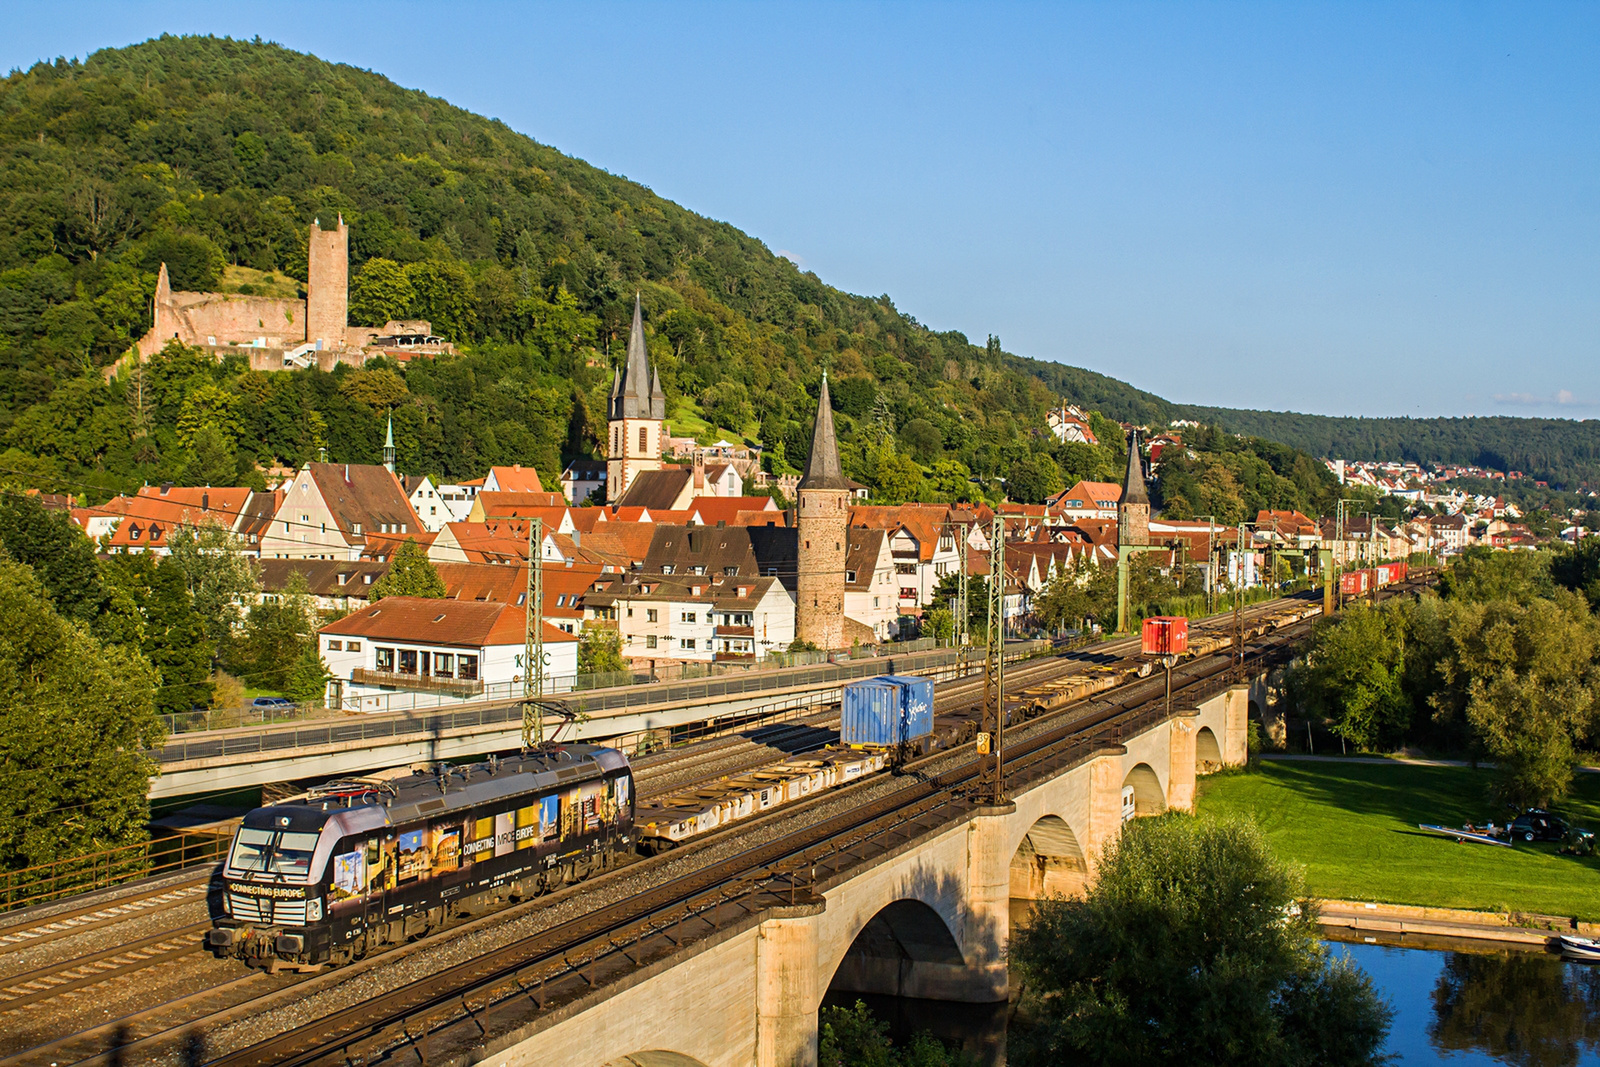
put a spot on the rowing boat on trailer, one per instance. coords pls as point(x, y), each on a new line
point(1463, 835)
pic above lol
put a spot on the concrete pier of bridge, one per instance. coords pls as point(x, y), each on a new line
point(929, 919)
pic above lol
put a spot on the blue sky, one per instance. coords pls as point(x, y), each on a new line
point(1343, 208)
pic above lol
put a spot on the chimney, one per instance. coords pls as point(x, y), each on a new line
point(205, 501)
point(347, 474)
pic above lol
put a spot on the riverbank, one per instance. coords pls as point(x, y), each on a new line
point(1352, 826)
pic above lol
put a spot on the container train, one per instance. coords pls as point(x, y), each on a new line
point(328, 876)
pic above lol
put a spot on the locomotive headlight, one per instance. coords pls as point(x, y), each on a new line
point(314, 910)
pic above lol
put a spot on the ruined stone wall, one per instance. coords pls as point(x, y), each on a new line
point(221, 319)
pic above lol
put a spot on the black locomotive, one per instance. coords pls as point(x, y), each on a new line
point(326, 877)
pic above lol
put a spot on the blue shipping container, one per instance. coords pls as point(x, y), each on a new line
point(886, 711)
point(869, 713)
point(916, 706)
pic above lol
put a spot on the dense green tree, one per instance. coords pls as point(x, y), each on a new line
point(1193, 946)
point(75, 717)
point(410, 573)
point(1033, 480)
point(60, 557)
point(1353, 676)
point(1081, 592)
point(600, 652)
point(219, 577)
point(212, 461)
point(276, 632)
point(1481, 575)
point(1524, 676)
point(174, 634)
point(307, 679)
point(853, 1037)
point(379, 292)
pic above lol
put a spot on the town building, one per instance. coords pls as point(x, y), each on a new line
point(1133, 508)
point(424, 652)
point(330, 509)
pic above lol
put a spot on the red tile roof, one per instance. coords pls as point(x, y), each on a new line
point(426, 620)
point(516, 479)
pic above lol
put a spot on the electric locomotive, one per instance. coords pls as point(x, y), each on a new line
point(328, 876)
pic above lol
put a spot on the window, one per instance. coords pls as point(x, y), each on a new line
point(644, 439)
point(649, 614)
point(874, 601)
point(905, 568)
point(688, 643)
point(850, 576)
point(385, 659)
point(667, 568)
point(355, 527)
point(698, 568)
point(366, 579)
point(688, 616)
point(444, 664)
point(467, 668)
point(908, 592)
point(731, 572)
point(408, 661)
point(613, 440)
point(352, 646)
point(650, 640)
point(133, 533)
point(335, 646)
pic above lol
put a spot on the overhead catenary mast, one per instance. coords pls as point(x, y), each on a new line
point(533, 641)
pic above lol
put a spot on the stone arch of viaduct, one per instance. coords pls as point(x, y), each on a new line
point(930, 921)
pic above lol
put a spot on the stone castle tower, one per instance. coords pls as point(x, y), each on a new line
point(328, 284)
point(824, 523)
point(637, 414)
point(1133, 512)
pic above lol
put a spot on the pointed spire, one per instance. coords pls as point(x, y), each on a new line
point(631, 396)
point(388, 445)
point(1133, 488)
point(822, 465)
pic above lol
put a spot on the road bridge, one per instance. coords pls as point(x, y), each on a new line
point(929, 918)
point(216, 761)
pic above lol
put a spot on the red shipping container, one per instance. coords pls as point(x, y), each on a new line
point(1165, 635)
point(1355, 583)
point(1400, 571)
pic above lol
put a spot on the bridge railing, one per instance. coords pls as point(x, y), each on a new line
point(441, 722)
point(98, 870)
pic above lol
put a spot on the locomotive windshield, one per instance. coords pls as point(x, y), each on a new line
point(282, 852)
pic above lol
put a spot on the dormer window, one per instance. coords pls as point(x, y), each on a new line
point(355, 527)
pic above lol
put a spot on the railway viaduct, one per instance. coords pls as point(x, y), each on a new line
point(929, 919)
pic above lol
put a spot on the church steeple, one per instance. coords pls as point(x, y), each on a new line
point(1133, 511)
point(1133, 487)
point(388, 445)
point(636, 391)
point(636, 414)
point(822, 465)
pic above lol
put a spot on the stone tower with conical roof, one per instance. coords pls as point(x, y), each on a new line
point(1133, 511)
point(824, 523)
point(637, 415)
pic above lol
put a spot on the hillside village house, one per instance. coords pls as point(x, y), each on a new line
point(405, 652)
point(146, 521)
point(690, 617)
point(1088, 500)
point(330, 509)
point(871, 597)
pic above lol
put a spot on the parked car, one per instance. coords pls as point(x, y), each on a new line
point(271, 703)
point(1536, 824)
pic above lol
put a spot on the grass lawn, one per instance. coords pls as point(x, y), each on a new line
point(1353, 826)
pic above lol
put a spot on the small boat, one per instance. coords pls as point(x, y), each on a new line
point(1586, 949)
point(1479, 836)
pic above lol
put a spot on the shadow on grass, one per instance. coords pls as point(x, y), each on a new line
point(1409, 794)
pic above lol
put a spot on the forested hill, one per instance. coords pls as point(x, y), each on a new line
point(214, 155)
point(1564, 452)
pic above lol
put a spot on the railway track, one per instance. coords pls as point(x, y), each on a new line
point(565, 962)
point(219, 1004)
